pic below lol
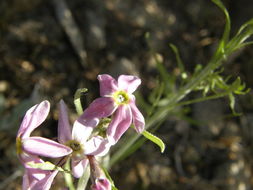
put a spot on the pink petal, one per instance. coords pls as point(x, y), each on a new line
point(119, 124)
point(108, 85)
point(26, 181)
point(64, 130)
point(138, 119)
point(45, 147)
point(128, 83)
point(46, 182)
point(99, 108)
point(34, 173)
point(24, 157)
point(101, 184)
point(80, 132)
point(97, 146)
point(79, 166)
point(33, 118)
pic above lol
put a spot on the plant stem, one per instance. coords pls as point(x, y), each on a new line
point(67, 176)
point(82, 182)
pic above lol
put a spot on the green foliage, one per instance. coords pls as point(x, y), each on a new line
point(77, 99)
point(170, 91)
point(154, 139)
point(46, 166)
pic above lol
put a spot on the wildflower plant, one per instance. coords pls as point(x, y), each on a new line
point(80, 148)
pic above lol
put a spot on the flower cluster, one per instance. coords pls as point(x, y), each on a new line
point(99, 127)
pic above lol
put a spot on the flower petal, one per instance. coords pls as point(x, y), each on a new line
point(45, 147)
point(34, 173)
point(80, 132)
point(78, 167)
point(107, 84)
point(101, 184)
point(64, 130)
point(33, 118)
point(99, 108)
point(46, 182)
point(119, 124)
point(97, 146)
point(128, 83)
point(26, 181)
point(138, 119)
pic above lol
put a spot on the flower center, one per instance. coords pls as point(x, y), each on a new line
point(121, 97)
point(76, 147)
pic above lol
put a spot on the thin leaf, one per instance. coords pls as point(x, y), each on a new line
point(77, 99)
point(232, 104)
point(178, 58)
point(154, 139)
point(226, 33)
point(45, 166)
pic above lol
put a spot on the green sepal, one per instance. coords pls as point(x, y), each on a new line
point(154, 139)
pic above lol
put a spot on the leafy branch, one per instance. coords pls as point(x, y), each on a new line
point(206, 79)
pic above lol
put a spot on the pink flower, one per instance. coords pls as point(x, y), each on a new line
point(28, 149)
point(29, 145)
point(80, 141)
point(117, 99)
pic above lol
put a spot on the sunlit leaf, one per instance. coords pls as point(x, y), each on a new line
point(45, 166)
point(154, 139)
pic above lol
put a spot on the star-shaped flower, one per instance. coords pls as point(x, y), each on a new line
point(79, 141)
point(29, 148)
point(117, 100)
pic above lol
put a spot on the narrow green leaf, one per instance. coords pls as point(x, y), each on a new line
point(154, 139)
point(232, 104)
point(247, 24)
point(77, 99)
point(178, 58)
point(45, 166)
point(232, 101)
point(221, 48)
point(226, 33)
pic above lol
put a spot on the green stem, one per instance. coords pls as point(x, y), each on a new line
point(197, 100)
point(67, 176)
point(82, 182)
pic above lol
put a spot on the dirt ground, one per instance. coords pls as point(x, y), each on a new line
point(45, 53)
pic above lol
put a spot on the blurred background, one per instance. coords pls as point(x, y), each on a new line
point(48, 49)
